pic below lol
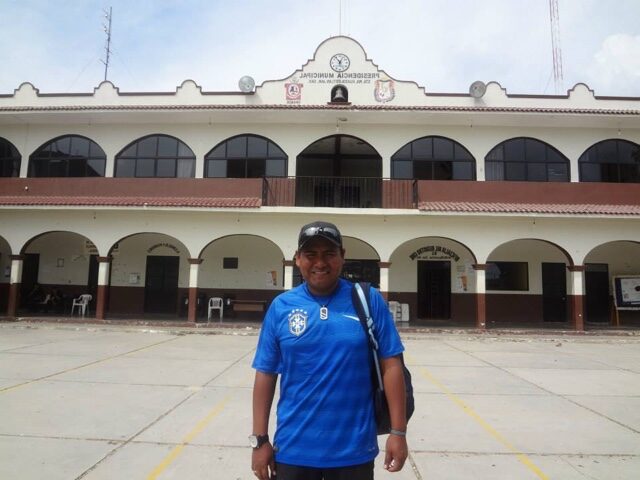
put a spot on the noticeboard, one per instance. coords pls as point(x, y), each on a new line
point(626, 292)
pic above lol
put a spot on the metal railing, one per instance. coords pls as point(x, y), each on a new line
point(339, 192)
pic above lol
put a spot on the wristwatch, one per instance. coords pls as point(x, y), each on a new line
point(256, 441)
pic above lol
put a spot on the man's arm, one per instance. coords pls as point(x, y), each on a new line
point(393, 380)
point(262, 461)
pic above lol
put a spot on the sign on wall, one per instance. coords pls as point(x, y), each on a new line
point(434, 252)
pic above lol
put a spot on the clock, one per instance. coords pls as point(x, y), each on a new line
point(340, 62)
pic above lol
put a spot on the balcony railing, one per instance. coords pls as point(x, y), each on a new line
point(339, 192)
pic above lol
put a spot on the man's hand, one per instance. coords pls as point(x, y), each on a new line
point(262, 462)
point(396, 452)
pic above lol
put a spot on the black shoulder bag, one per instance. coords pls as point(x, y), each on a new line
point(360, 296)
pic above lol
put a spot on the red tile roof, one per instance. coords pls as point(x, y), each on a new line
point(198, 202)
point(558, 209)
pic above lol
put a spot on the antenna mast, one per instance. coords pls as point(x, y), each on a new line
point(107, 30)
point(555, 45)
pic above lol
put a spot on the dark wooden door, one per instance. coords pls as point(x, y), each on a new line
point(554, 292)
point(161, 284)
point(434, 289)
point(30, 269)
point(596, 279)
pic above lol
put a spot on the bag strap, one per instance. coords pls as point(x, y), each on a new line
point(361, 304)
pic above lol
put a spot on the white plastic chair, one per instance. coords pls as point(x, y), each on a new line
point(215, 303)
point(81, 302)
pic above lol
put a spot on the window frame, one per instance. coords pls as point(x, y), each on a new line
point(245, 161)
point(619, 165)
point(10, 159)
point(154, 157)
point(499, 284)
point(45, 159)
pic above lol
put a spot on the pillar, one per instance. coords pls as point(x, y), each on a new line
point(14, 284)
point(104, 265)
point(194, 268)
point(576, 296)
point(288, 274)
point(481, 305)
point(384, 279)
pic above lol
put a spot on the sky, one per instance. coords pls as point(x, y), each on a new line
point(443, 45)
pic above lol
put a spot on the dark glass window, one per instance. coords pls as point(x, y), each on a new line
point(159, 156)
point(246, 156)
point(230, 262)
point(526, 160)
point(433, 158)
point(69, 156)
point(507, 276)
point(9, 159)
point(615, 161)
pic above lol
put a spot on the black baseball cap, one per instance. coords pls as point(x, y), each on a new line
point(319, 229)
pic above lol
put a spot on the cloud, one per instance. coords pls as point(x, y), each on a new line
point(615, 69)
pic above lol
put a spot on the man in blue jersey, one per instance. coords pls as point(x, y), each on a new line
point(311, 336)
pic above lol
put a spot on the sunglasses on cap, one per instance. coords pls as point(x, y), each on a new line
point(330, 233)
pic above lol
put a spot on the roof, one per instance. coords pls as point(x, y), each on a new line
point(112, 201)
point(524, 208)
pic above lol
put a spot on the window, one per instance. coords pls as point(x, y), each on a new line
point(526, 160)
point(615, 161)
point(507, 276)
point(246, 156)
point(68, 156)
point(159, 156)
point(433, 158)
point(230, 262)
point(9, 159)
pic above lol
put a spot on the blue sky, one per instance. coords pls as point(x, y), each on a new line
point(443, 45)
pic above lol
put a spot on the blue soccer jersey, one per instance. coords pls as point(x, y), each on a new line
point(325, 412)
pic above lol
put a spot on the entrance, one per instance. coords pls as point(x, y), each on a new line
point(596, 279)
point(434, 290)
point(161, 285)
point(554, 292)
point(30, 269)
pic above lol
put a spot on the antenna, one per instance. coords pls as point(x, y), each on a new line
point(107, 30)
point(555, 45)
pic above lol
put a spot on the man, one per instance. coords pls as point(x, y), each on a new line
point(312, 338)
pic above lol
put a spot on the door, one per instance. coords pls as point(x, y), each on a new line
point(30, 269)
point(92, 279)
point(596, 279)
point(554, 292)
point(161, 284)
point(434, 289)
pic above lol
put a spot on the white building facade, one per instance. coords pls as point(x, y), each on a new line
point(481, 210)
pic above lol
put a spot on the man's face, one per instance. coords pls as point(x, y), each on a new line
point(320, 263)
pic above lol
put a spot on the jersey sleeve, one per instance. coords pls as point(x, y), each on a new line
point(267, 358)
point(389, 342)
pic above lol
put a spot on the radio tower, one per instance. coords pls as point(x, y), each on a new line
point(555, 45)
point(107, 30)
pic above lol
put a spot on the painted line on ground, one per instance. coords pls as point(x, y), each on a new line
point(522, 458)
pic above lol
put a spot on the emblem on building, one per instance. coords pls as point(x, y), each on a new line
point(293, 91)
point(384, 91)
point(298, 322)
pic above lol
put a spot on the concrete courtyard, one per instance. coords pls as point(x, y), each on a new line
point(107, 402)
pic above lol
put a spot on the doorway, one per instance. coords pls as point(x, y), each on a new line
point(596, 280)
point(554, 292)
point(161, 284)
point(434, 290)
point(30, 271)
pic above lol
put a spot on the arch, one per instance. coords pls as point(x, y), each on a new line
point(149, 274)
point(68, 156)
point(433, 158)
point(526, 159)
point(10, 159)
point(339, 171)
point(601, 264)
point(612, 160)
point(246, 156)
point(527, 283)
point(156, 156)
point(61, 261)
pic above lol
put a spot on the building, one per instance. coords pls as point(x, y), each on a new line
point(482, 209)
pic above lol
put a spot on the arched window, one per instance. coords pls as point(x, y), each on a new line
point(526, 160)
point(9, 159)
point(68, 156)
point(433, 158)
point(611, 161)
point(246, 156)
point(156, 156)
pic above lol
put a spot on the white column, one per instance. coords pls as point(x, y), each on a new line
point(576, 282)
point(103, 273)
point(384, 278)
point(288, 276)
point(194, 268)
point(16, 270)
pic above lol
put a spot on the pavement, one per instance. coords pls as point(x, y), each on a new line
point(82, 401)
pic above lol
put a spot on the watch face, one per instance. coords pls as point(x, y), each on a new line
point(253, 441)
point(339, 62)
